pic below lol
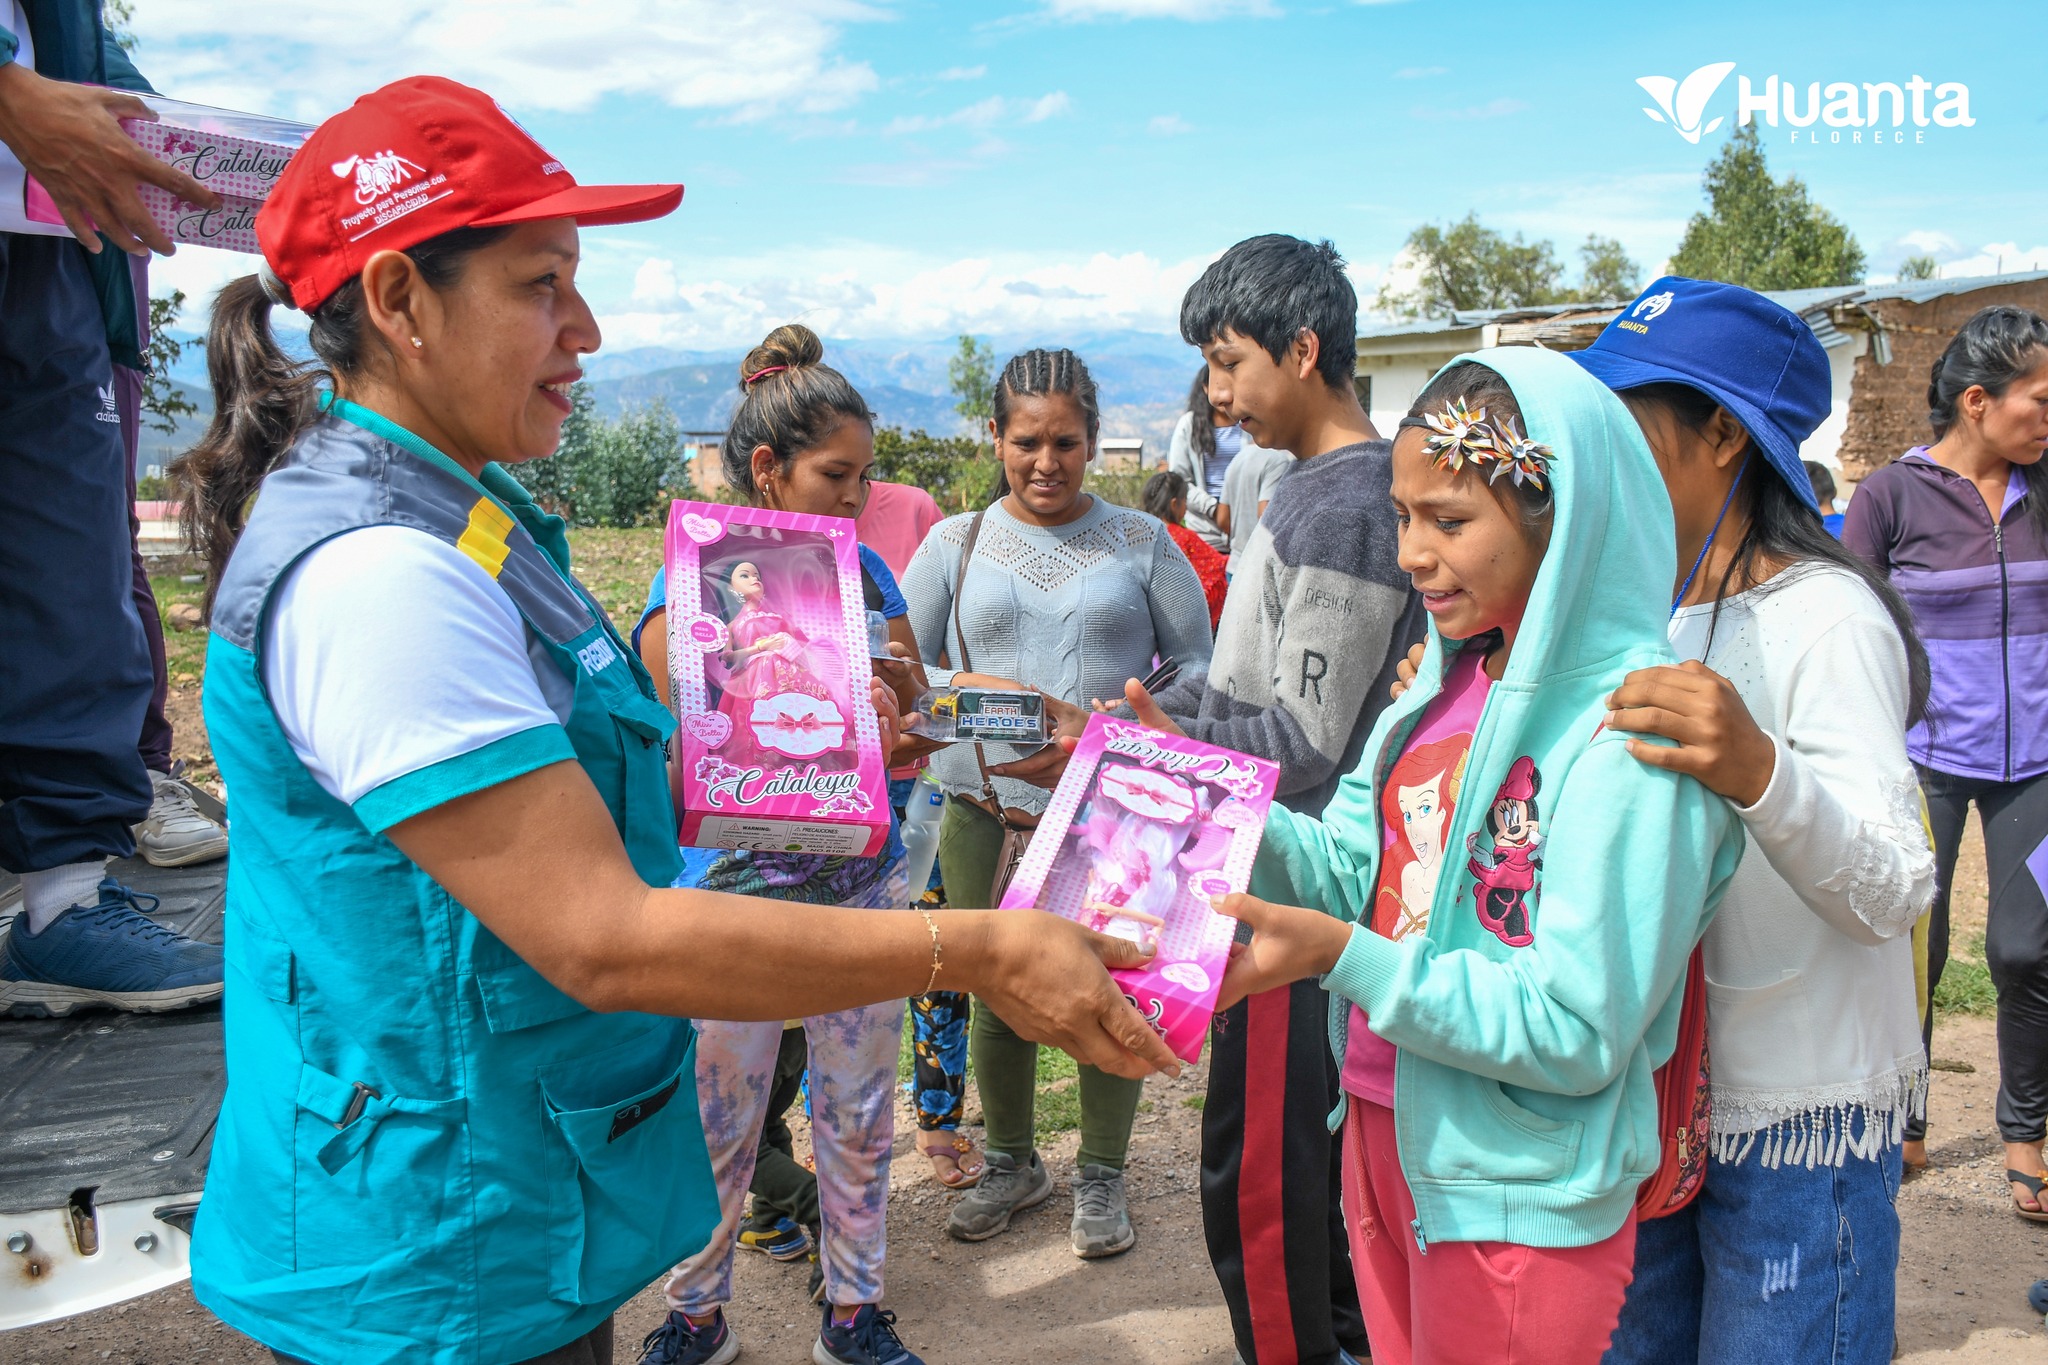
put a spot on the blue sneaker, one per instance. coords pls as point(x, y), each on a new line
point(870, 1339)
point(109, 955)
point(783, 1240)
point(675, 1342)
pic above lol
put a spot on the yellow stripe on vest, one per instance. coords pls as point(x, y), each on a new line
point(484, 541)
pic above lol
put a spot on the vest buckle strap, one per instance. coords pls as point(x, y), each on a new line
point(364, 1094)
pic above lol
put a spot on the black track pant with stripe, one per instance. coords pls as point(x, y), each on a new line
point(1270, 1181)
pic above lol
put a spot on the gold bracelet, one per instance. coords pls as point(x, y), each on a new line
point(938, 960)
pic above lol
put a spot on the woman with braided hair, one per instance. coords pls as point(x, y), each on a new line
point(1061, 591)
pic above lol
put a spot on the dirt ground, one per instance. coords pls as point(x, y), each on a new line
point(1023, 1297)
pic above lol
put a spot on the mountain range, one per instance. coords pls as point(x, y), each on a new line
point(1142, 378)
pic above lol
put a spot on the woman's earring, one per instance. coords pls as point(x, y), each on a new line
point(418, 344)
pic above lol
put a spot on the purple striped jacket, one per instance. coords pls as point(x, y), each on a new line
point(1979, 593)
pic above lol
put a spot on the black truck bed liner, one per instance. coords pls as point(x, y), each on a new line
point(123, 1104)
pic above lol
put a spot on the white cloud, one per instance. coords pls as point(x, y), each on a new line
point(1157, 9)
point(984, 114)
point(307, 61)
point(1930, 242)
point(1993, 258)
point(1049, 106)
point(1169, 125)
point(962, 73)
point(867, 290)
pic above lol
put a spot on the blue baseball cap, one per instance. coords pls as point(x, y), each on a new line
point(1756, 359)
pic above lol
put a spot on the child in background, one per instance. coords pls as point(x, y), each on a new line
point(1166, 497)
point(1502, 1034)
point(1823, 482)
point(801, 440)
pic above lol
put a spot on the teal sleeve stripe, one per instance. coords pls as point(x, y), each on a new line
point(439, 783)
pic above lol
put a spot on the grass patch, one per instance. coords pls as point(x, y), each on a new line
point(184, 650)
point(1058, 1108)
point(1966, 982)
point(617, 565)
point(1194, 1102)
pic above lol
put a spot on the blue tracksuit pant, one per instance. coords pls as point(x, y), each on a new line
point(75, 676)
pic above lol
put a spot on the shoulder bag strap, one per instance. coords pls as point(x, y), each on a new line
point(988, 781)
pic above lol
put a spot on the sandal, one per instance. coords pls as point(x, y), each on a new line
point(956, 1164)
point(2034, 1184)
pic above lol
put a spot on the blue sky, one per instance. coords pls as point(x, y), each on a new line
point(889, 168)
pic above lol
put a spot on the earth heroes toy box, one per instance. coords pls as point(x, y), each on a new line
point(1144, 832)
point(777, 746)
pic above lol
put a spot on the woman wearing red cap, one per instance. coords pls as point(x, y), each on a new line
point(459, 1125)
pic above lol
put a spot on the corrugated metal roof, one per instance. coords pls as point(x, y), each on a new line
point(1811, 304)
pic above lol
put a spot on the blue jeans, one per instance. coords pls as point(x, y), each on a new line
point(1781, 1264)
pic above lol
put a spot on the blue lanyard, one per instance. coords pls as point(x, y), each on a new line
point(1726, 502)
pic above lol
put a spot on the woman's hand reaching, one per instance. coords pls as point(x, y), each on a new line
point(1046, 978)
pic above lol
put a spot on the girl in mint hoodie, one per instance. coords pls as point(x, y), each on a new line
point(1506, 898)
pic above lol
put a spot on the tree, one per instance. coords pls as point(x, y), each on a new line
point(1762, 232)
point(955, 470)
point(1919, 268)
point(1606, 272)
point(971, 374)
point(611, 473)
point(162, 399)
point(1470, 266)
point(119, 17)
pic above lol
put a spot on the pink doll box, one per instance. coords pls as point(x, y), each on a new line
point(238, 156)
point(777, 746)
point(1150, 828)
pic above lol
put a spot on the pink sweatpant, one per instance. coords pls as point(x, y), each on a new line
point(1468, 1303)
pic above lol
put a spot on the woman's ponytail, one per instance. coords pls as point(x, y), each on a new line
point(261, 400)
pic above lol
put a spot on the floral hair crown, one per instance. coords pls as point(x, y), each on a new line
point(1458, 435)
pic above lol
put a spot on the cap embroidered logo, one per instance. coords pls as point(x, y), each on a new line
point(1652, 306)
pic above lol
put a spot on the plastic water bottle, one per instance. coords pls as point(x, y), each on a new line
point(921, 833)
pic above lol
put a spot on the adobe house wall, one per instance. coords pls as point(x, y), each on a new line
point(1888, 403)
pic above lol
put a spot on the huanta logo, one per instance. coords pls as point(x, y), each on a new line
point(1871, 111)
point(377, 174)
point(1652, 307)
point(1683, 102)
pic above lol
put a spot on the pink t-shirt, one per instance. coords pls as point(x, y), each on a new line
point(894, 522)
point(1416, 805)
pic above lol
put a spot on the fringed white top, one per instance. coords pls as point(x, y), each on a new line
point(1813, 1024)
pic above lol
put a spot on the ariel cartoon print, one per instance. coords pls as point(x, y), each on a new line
point(1417, 802)
point(1504, 857)
point(773, 690)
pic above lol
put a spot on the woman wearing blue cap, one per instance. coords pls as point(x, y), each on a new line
point(1804, 673)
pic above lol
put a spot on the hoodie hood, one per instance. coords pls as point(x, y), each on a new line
point(1600, 593)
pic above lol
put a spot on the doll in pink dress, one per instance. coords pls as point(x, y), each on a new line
point(774, 688)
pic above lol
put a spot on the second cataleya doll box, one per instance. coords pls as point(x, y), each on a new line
point(777, 747)
point(1145, 831)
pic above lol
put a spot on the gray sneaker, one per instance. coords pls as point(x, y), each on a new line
point(1006, 1188)
point(1102, 1216)
point(176, 834)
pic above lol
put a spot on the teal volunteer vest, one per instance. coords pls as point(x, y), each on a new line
point(428, 1153)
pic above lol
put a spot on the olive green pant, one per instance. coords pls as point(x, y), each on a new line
point(1006, 1066)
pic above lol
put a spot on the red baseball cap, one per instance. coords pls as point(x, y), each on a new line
point(420, 157)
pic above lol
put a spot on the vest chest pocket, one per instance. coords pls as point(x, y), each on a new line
point(630, 1191)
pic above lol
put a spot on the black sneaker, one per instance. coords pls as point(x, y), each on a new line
point(870, 1339)
point(676, 1342)
point(1006, 1188)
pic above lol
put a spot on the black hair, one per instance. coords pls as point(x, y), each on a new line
point(1998, 345)
point(1823, 483)
point(1784, 530)
point(263, 398)
point(1202, 432)
point(1038, 373)
point(1483, 387)
point(790, 401)
point(1161, 492)
point(1270, 289)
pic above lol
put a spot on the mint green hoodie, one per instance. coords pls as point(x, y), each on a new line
point(1523, 1097)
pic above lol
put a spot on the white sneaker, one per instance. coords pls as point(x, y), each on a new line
point(176, 834)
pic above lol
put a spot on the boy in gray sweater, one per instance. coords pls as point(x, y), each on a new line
point(1319, 614)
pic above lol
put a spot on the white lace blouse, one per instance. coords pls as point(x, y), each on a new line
point(1813, 1027)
